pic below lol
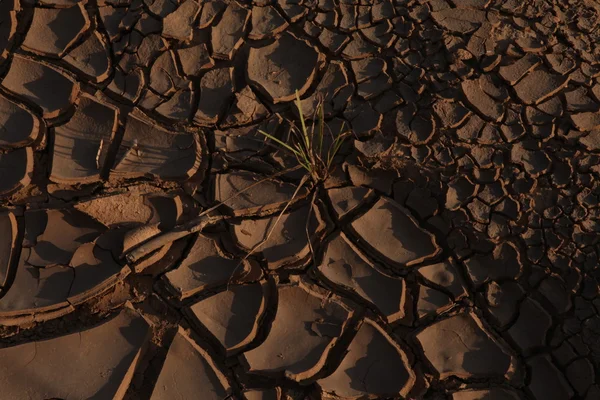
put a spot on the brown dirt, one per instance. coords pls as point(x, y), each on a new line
point(452, 253)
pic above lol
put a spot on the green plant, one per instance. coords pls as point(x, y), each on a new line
point(306, 145)
point(308, 148)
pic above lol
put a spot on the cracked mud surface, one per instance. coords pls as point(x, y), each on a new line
point(452, 254)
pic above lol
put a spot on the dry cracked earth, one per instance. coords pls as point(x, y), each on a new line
point(453, 253)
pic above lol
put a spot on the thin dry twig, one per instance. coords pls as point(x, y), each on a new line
point(268, 236)
point(192, 226)
point(266, 239)
point(309, 156)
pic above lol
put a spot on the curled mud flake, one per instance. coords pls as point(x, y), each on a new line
point(54, 30)
point(451, 114)
point(210, 12)
point(8, 26)
point(587, 121)
point(547, 382)
point(205, 268)
point(62, 364)
point(389, 231)
point(266, 22)
point(216, 91)
point(195, 59)
point(284, 241)
point(514, 72)
point(432, 302)
point(18, 125)
point(16, 170)
point(460, 20)
point(233, 316)
point(77, 155)
point(539, 85)
point(292, 348)
point(246, 109)
point(459, 192)
point(261, 195)
point(44, 87)
point(63, 233)
point(280, 69)
point(503, 299)
point(227, 35)
point(345, 266)
point(178, 24)
point(147, 149)
point(469, 350)
point(531, 327)
point(189, 370)
point(374, 365)
point(179, 107)
point(95, 270)
point(164, 78)
point(492, 393)
point(348, 199)
point(481, 101)
point(504, 262)
point(535, 161)
point(126, 86)
point(91, 58)
point(263, 394)
point(8, 246)
point(446, 275)
point(36, 291)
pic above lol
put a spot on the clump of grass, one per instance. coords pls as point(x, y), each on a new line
point(307, 145)
point(315, 149)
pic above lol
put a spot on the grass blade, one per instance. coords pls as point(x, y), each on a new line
point(270, 233)
point(192, 226)
point(268, 236)
point(321, 127)
point(302, 122)
point(337, 144)
point(280, 142)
